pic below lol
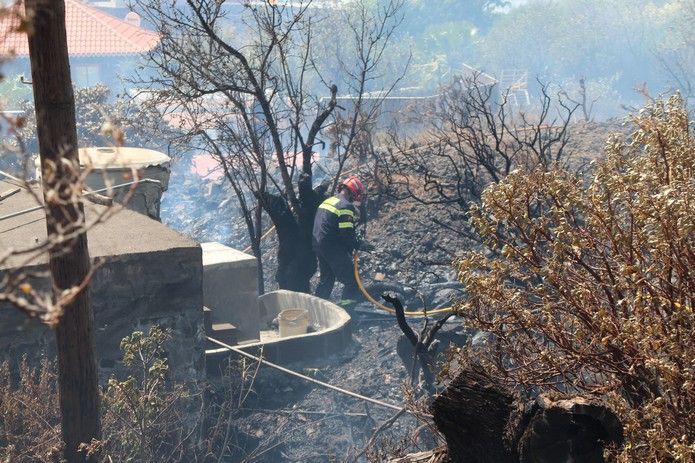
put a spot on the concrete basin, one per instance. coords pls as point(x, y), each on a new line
point(333, 331)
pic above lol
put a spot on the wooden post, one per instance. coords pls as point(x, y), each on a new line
point(69, 266)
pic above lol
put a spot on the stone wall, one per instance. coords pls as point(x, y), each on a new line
point(129, 292)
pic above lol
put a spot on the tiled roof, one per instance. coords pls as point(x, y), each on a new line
point(90, 33)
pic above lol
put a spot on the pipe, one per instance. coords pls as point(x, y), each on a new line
point(11, 177)
point(9, 193)
point(36, 208)
point(381, 403)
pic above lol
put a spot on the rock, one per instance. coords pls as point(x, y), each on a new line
point(443, 294)
point(480, 338)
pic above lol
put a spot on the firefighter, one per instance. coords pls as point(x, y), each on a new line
point(334, 240)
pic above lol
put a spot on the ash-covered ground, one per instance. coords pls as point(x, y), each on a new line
point(292, 420)
point(286, 419)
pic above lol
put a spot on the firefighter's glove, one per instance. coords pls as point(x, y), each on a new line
point(365, 246)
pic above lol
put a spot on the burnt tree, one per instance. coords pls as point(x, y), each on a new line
point(475, 137)
point(69, 258)
point(417, 351)
point(257, 100)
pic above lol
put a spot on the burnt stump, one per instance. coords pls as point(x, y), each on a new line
point(484, 422)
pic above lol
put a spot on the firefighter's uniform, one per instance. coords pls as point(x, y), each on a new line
point(334, 241)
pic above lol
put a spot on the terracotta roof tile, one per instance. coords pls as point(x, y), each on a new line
point(90, 33)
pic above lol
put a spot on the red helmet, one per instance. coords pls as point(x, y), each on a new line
point(355, 186)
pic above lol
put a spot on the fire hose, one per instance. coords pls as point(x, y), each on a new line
point(379, 305)
point(365, 293)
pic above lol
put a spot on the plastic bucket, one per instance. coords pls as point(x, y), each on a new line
point(293, 322)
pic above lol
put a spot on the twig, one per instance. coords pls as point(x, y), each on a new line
point(429, 337)
point(386, 424)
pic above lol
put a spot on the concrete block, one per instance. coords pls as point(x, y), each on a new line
point(219, 254)
point(245, 279)
point(230, 288)
point(225, 332)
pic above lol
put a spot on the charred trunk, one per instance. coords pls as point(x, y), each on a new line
point(416, 352)
point(473, 414)
point(296, 258)
point(484, 422)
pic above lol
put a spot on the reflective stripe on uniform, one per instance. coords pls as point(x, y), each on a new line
point(346, 225)
point(329, 205)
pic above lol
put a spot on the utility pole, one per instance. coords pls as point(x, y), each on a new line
point(69, 264)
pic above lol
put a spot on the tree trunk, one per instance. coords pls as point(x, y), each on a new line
point(260, 274)
point(69, 265)
point(483, 422)
point(472, 414)
point(296, 258)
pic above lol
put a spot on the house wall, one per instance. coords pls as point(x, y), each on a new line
point(129, 292)
point(84, 71)
point(107, 70)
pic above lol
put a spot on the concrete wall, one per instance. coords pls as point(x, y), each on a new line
point(230, 289)
point(114, 166)
point(149, 275)
point(130, 292)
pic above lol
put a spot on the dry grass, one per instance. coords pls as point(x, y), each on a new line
point(29, 417)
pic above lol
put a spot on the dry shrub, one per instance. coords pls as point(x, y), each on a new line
point(29, 416)
point(588, 286)
point(145, 417)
